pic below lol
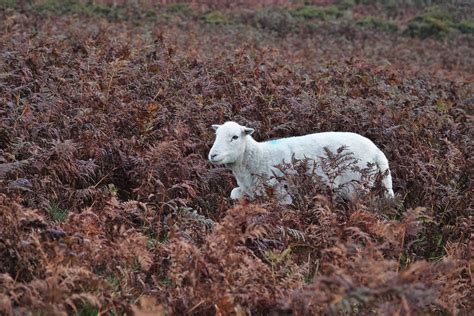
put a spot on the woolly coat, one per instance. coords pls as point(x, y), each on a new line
point(259, 158)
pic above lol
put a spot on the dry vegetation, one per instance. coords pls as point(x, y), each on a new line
point(107, 202)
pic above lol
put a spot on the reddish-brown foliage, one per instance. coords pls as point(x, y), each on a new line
point(107, 202)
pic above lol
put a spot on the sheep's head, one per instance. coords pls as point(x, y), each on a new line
point(230, 142)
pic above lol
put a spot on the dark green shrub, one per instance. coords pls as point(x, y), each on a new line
point(274, 19)
point(377, 23)
point(434, 22)
point(314, 12)
point(86, 309)
point(465, 27)
point(57, 6)
point(8, 3)
point(56, 213)
point(426, 27)
point(345, 4)
point(70, 6)
point(214, 17)
point(177, 7)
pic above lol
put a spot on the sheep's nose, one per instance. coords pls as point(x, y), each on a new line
point(213, 156)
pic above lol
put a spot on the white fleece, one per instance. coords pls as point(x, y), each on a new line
point(247, 158)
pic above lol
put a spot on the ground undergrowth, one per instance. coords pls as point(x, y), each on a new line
point(107, 201)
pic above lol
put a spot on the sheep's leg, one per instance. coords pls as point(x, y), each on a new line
point(236, 193)
point(280, 191)
point(286, 199)
point(382, 164)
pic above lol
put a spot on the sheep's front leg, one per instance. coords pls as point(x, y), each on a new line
point(281, 192)
point(236, 193)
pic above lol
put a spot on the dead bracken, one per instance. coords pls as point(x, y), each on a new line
point(108, 203)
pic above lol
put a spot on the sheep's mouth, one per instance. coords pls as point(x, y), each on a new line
point(216, 161)
point(221, 159)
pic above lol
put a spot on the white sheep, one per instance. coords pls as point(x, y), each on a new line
point(250, 161)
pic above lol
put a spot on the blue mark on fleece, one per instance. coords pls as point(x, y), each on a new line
point(274, 142)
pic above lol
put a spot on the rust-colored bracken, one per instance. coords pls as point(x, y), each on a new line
point(107, 201)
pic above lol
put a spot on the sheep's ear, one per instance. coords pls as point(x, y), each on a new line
point(248, 131)
point(215, 126)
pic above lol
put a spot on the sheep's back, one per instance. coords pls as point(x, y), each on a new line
point(313, 146)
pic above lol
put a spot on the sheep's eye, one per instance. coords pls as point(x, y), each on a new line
point(235, 137)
